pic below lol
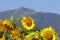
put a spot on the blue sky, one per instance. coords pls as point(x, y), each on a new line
point(38, 5)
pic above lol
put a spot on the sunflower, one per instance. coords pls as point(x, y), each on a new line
point(32, 36)
point(1, 25)
point(8, 24)
point(3, 37)
point(36, 37)
point(29, 36)
point(16, 32)
point(28, 23)
point(1, 21)
point(48, 34)
point(18, 39)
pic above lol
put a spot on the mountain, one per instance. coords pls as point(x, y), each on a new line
point(41, 19)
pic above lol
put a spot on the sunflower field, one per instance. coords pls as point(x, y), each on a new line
point(10, 31)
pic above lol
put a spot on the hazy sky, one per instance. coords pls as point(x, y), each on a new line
point(38, 5)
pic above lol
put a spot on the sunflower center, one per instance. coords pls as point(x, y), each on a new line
point(1, 36)
point(48, 35)
point(35, 39)
point(28, 22)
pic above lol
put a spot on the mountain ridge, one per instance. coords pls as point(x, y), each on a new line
point(41, 19)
